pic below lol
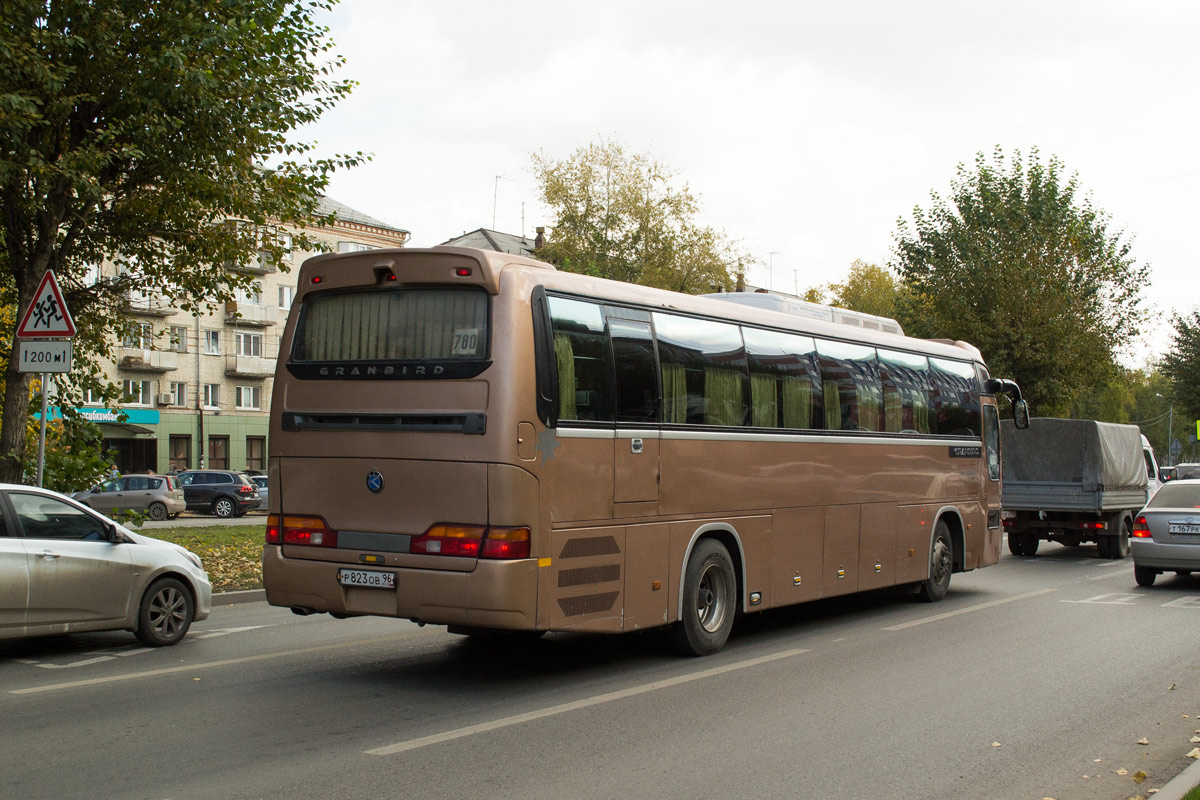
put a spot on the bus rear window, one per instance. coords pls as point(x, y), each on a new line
point(393, 325)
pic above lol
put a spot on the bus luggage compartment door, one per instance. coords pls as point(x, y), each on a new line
point(635, 478)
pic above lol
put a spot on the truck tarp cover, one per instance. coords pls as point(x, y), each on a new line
point(1096, 455)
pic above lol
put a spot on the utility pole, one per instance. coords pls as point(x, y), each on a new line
point(1170, 431)
point(771, 268)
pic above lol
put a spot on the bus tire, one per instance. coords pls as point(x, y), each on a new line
point(941, 565)
point(709, 601)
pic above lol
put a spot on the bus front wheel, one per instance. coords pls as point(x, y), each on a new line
point(941, 565)
point(709, 601)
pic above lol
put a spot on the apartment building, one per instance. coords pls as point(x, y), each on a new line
point(198, 387)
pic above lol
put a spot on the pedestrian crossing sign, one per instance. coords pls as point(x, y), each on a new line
point(47, 316)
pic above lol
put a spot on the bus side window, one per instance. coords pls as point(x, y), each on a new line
point(905, 381)
point(703, 371)
point(956, 397)
point(785, 382)
point(850, 385)
point(637, 368)
point(582, 355)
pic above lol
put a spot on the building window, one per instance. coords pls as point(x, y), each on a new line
point(248, 397)
point(248, 344)
point(179, 338)
point(256, 452)
point(251, 294)
point(179, 455)
point(179, 394)
point(212, 343)
point(92, 397)
point(286, 295)
point(137, 393)
point(212, 395)
point(354, 247)
point(218, 452)
point(139, 337)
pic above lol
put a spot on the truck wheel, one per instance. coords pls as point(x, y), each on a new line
point(1115, 546)
point(1022, 543)
point(709, 601)
point(941, 565)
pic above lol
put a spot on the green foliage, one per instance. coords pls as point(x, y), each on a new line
point(1182, 366)
point(1132, 396)
point(1020, 266)
point(621, 216)
point(75, 458)
point(133, 131)
point(869, 288)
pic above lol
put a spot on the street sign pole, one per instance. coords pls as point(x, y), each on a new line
point(42, 432)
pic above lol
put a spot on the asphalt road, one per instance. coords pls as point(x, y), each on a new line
point(1035, 678)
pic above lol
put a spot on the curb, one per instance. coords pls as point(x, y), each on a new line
point(1178, 787)
point(244, 596)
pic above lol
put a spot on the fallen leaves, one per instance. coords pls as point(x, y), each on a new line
point(1143, 740)
point(1194, 752)
point(1139, 776)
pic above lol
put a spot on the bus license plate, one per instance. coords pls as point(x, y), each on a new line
point(1183, 527)
point(368, 578)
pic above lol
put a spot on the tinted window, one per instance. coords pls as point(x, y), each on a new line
point(850, 386)
point(904, 380)
point(955, 397)
point(583, 358)
point(636, 370)
point(137, 484)
point(703, 367)
point(785, 381)
point(44, 517)
point(393, 325)
point(1176, 495)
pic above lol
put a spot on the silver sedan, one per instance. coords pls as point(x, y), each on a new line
point(1166, 533)
point(65, 568)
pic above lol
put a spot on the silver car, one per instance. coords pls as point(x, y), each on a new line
point(1166, 533)
point(65, 568)
point(261, 482)
point(160, 496)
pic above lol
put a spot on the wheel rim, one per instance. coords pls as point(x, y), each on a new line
point(168, 612)
point(158, 512)
point(224, 508)
point(941, 561)
point(712, 598)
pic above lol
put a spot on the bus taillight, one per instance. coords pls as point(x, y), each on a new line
point(449, 540)
point(306, 531)
point(506, 543)
point(472, 541)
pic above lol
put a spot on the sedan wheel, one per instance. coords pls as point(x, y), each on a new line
point(165, 614)
point(157, 511)
point(223, 507)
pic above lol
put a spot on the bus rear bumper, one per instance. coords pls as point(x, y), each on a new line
point(496, 594)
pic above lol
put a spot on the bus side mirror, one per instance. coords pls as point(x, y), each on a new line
point(1021, 414)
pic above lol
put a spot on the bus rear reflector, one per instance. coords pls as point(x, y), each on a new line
point(472, 541)
point(305, 531)
point(1140, 529)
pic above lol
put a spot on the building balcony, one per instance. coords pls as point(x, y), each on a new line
point(149, 306)
point(249, 315)
point(132, 360)
point(249, 366)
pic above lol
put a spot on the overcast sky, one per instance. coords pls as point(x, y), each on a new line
point(805, 128)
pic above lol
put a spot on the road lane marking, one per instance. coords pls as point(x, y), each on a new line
point(563, 708)
point(1109, 599)
point(204, 666)
point(967, 610)
point(1121, 574)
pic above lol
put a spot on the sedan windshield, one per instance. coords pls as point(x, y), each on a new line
point(1177, 495)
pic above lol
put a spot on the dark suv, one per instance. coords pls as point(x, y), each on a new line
point(223, 492)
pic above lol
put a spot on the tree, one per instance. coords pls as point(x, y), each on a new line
point(1182, 365)
point(1020, 266)
point(134, 131)
point(620, 216)
point(868, 288)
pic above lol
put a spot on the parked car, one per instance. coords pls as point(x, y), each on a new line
point(160, 496)
point(1166, 533)
point(65, 568)
point(261, 482)
point(225, 493)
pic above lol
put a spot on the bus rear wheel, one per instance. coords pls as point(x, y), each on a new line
point(941, 565)
point(709, 601)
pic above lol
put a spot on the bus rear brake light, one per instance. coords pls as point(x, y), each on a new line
point(305, 531)
point(472, 541)
point(463, 272)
